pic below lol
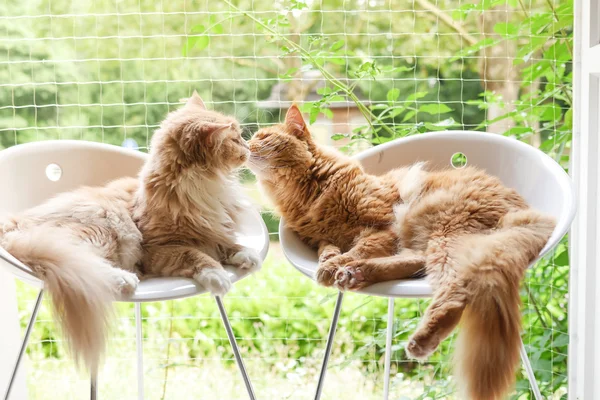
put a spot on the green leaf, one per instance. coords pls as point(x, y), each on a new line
point(337, 45)
point(518, 130)
point(416, 96)
point(441, 125)
point(324, 91)
point(218, 29)
point(392, 95)
point(339, 136)
point(198, 29)
point(409, 115)
point(189, 44)
point(506, 29)
point(434, 109)
point(337, 60)
point(289, 73)
point(469, 51)
point(202, 42)
point(561, 259)
point(314, 113)
point(397, 111)
point(552, 112)
point(569, 118)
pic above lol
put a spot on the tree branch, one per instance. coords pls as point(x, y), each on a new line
point(446, 19)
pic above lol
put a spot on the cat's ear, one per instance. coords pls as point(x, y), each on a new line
point(196, 100)
point(295, 122)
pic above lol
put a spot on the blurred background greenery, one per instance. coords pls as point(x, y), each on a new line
point(365, 72)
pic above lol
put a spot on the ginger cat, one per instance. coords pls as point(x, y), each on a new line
point(189, 197)
point(471, 236)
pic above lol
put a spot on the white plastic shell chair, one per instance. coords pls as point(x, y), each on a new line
point(32, 173)
point(537, 177)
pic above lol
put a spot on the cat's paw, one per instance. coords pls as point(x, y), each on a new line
point(349, 278)
point(215, 280)
point(328, 254)
point(420, 348)
point(127, 282)
point(327, 271)
point(246, 259)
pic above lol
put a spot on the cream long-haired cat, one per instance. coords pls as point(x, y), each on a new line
point(85, 247)
point(189, 198)
point(472, 236)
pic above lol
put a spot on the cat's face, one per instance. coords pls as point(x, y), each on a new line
point(194, 137)
point(278, 150)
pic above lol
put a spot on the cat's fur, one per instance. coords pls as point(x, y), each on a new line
point(84, 246)
point(472, 236)
point(189, 198)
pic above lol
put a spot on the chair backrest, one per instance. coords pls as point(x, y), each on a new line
point(536, 176)
point(34, 172)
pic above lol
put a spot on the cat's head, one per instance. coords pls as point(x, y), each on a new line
point(280, 149)
point(194, 137)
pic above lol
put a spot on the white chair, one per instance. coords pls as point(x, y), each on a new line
point(32, 173)
point(537, 177)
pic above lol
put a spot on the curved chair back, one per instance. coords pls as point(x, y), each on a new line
point(536, 176)
point(34, 172)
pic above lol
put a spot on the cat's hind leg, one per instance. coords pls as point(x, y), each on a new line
point(126, 282)
point(450, 297)
point(190, 262)
point(361, 273)
point(244, 258)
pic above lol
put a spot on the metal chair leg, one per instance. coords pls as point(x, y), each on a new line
point(332, 329)
point(388, 349)
point(140, 350)
point(94, 386)
point(234, 347)
point(34, 313)
point(534, 386)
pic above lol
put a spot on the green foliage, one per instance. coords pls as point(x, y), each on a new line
point(427, 80)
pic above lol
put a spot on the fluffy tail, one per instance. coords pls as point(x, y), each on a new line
point(487, 354)
point(79, 282)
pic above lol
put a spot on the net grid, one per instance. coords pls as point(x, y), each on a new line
point(110, 71)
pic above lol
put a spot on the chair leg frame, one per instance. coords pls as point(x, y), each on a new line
point(34, 314)
point(235, 348)
point(388, 349)
point(329, 345)
point(388, 352)
point(94, 386)
point(534, 386)
point(140, 350)
point(238, 357)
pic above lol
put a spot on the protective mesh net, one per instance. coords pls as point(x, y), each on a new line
point(365, 72)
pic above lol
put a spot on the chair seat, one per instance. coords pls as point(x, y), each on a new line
point(252, 233)
point(91, 164)
point(537, 177)
point(159, 289)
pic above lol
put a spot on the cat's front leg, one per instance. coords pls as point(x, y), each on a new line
point(189, 262)
point(369, 244)
point(327, 270)
point(361, 273)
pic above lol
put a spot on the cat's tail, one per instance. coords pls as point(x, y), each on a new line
point(487, 353)
point(80, 283)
